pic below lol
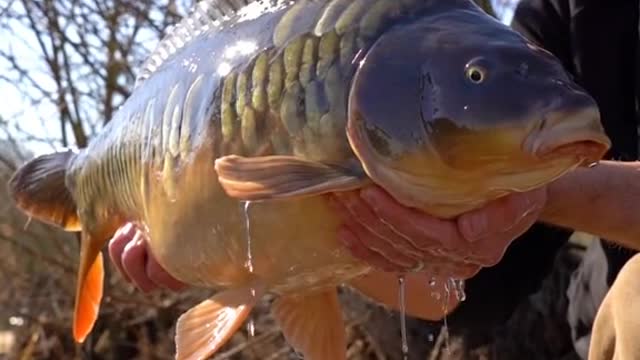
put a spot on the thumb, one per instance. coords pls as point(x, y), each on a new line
point(501, 215)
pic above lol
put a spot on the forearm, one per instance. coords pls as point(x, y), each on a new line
point(603, 201)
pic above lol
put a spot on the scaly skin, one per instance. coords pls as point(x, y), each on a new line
point(286, 95)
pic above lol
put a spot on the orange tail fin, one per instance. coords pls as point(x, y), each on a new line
point(89, 287)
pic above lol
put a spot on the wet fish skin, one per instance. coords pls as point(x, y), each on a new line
point(277, 92)
point(474, 140)
point(146, 158)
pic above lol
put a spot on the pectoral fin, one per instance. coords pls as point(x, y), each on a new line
point(89, 287)
point(313, 325)
point(272, 177)
point(205, 328)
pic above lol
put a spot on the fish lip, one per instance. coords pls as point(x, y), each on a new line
point(577, 133)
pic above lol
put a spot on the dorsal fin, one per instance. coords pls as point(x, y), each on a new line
point(203, 16)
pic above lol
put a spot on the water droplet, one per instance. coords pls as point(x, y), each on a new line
point(432, 284)
point(458, 286)
point(247, 224)
point(249, 262)
point(16, 321)
point(403, 319)
point(251, 328)
point(445, 310)
point(27, 223)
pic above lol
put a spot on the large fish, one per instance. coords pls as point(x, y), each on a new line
point(281, 102)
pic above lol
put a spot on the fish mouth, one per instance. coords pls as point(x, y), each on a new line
point(576, 134)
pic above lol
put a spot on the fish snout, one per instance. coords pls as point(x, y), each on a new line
point(570, 131)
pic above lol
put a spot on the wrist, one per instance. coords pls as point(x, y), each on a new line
point(568, 195)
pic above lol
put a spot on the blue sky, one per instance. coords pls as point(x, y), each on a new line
point(21, 111)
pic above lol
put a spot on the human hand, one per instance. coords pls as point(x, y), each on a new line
point(129, 253)
point(391, 237)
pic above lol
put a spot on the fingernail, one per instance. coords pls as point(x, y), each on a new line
point(474, 226)
point(370, 195)
point(176, 286)
point(121, 230)
point(115, 235)
point(342, 198)
point(331, 200)
point(126, 229)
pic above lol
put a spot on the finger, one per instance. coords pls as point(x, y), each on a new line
point(489, 250)
point(134, 259)
point(363, 253)
point(383, 248)
point(464, 271)
point(448, 269)
point(500, 215)
point(116, 247)
point(361, 212)
point(424, 230)
point(371, 241)
point(160, 277)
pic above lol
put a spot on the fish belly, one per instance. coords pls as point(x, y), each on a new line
point(205, 238)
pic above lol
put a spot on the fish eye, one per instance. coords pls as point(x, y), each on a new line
point(475, 74)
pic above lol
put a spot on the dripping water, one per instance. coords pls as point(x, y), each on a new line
point(27, 223)
point(458, 287)
point(434, 293)
point(247, 224)
point(445, 310)
point(251, 328)
point(403, 317)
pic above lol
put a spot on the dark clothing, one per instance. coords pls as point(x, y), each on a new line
point(604, 60)
point(597, 41)
point(494, 293)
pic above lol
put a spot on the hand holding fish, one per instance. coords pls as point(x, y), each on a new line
point(393, 237)
point(130, 254)
point(379, 230)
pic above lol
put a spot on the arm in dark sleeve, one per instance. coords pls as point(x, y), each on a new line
point(546, 23)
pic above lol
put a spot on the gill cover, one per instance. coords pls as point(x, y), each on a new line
point(385, 105)
point(416, 79)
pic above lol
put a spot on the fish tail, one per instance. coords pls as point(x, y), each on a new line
point(39, 189)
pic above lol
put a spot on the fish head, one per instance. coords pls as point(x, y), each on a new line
point(454, 110)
